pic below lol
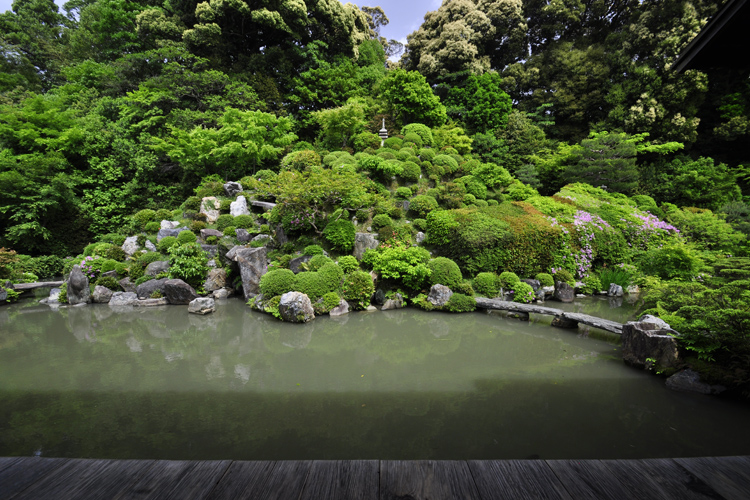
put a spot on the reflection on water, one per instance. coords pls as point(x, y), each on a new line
point(160, 383)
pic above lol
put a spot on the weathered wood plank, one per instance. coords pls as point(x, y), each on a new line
point(588, 479)
point(433, 480)
point(6, 462)
point(729, 476)
point(516, 480)
point(184, 480)
point(342, 480)
point(263, 480)
point(659, 479)
point(83, 478)
point(24, 472)
point(22, 287)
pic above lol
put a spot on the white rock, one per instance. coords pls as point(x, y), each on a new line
point(239, 207)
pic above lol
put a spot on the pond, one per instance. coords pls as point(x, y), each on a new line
point(160, 383)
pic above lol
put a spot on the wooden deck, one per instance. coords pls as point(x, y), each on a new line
point(562, 319)
point(680, 479)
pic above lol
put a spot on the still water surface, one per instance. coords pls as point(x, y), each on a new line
point(160, 383)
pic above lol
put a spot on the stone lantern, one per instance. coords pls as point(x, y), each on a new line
point(383, 134)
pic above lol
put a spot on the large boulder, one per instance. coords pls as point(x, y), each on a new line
point(130, 245)
point(157, 267)
point(615, 290)
point(280, 236)
point(78, 287)
point(364, 241)
point(169, 224)
point(102, 294)
point(150, 246)
point(128, 285)
point(645, 344)
point(296, 263)
point(205, 233)
point(690, 381)
point(242, 235)
point(341, 309)
point(296, 307)
point(216, 279)
point(202, 305)
point(253, 265)
point(397, 302)
point(439, 295)
point(239, 207)
point(564, 292)
point(232, 188)
point(123, 299)
point(210, 206)
point(179, 292)
point(146, 289)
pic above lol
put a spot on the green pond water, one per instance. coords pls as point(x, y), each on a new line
point(160, 383)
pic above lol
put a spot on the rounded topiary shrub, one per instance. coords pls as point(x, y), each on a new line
point(402, 193)
point(545, 279)
point(423, 131)
point(152, 227)
point(394, 143)
point(340, 234)
point(348, 263)
point(507, 279)
point(357, 288)
point(300, 160)
point(197, 225)
point(311, 284)
point(277, 282)
point(410, 171)
point(163, 214)
point(459, 303)
point(522, 292)
point(115, 253)
point(109, 282)
point(591, 285)
point(421, 205)
point(313, 250)
point(414, 138)
point(192, 203)
point(448, 163)
point(326, 303)
point(143, 217)
point(186, 237)
point(224, 221)
point(230, 231)
point(318, 261)
point(565, 276)
point(381, 220)
point(486, 284)
point(331, 274)
point(243, 221)
point(444, 272)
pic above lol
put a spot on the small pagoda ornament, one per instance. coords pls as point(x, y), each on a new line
point(383, 134)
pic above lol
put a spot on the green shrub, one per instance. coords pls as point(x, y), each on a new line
point(311, 284)
point(144, 278)
point(107, 265)
point(196, 226)
point(113, 238)
point(326, 303)
point(423, 131)
point(277, 282)
point(402, 193)
point(545, 279)
point(152, 227)
point(414, 138)
point(224, 221)
point(244, 222)
point(163, 214)
point(143, 217)
point(192, 203)
point(348, 263)
point(318, 261)
point(264, 229)
point(507, 279)
point(186, 237)
point(421, 205)
point(381, 220)
point(230, 231)
point(166, 243)
point(419, 224)
point(362, 214)
point(340, 234)
point(109, 282)
point(147, 258)
point(459, 303)
point(591, 285)
point(448, 163)
point(394, 143)
point(671, 262)
point(115, 253)
point(63, 297)
point(444, 272)
point(463, 287)
point(226, 205)
point(313, 250)
point(522, 292)
point(331, 274)
point(365, 140)
point(405, 265)
point(486, 284)
point(188, 262)
point(300, 160)
point(357, 288)
point(410, 171)
point(565, 276)
point(121, 269)
point(135, 271)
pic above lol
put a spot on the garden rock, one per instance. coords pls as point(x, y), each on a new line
point(253, 265)
point(280, 236)
point(157, 267)
point(364, 241)
point(223, 293)
point(110, 274)
point(341, 309)
point(397, 302)
point(239, 207)
point(102, 294)
point(145, 290)
point(242, 235)
point(202, 305)
point(130, 246)
point(216, 279)
point(690, 381)
point(211, 250)
point(128, 285)
point(378, 298)
point(534, 284)
point(179, 292)
point(3, 294)
point(205, 233)
point(210, 206)
point(232, 188)
point(420, 237)
point(265, 238)
point(296, 307)
point(615, 290)
point(123, 299)
point(150, 246)
point(78, 287)
point(645, 344)
point(163, 233)
point(151, 302)
point(54, 296)
point(634, 290)
point(564, 292)
point(439, 295)
point(169, 224)
point(657, 323)
point(295, 263)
